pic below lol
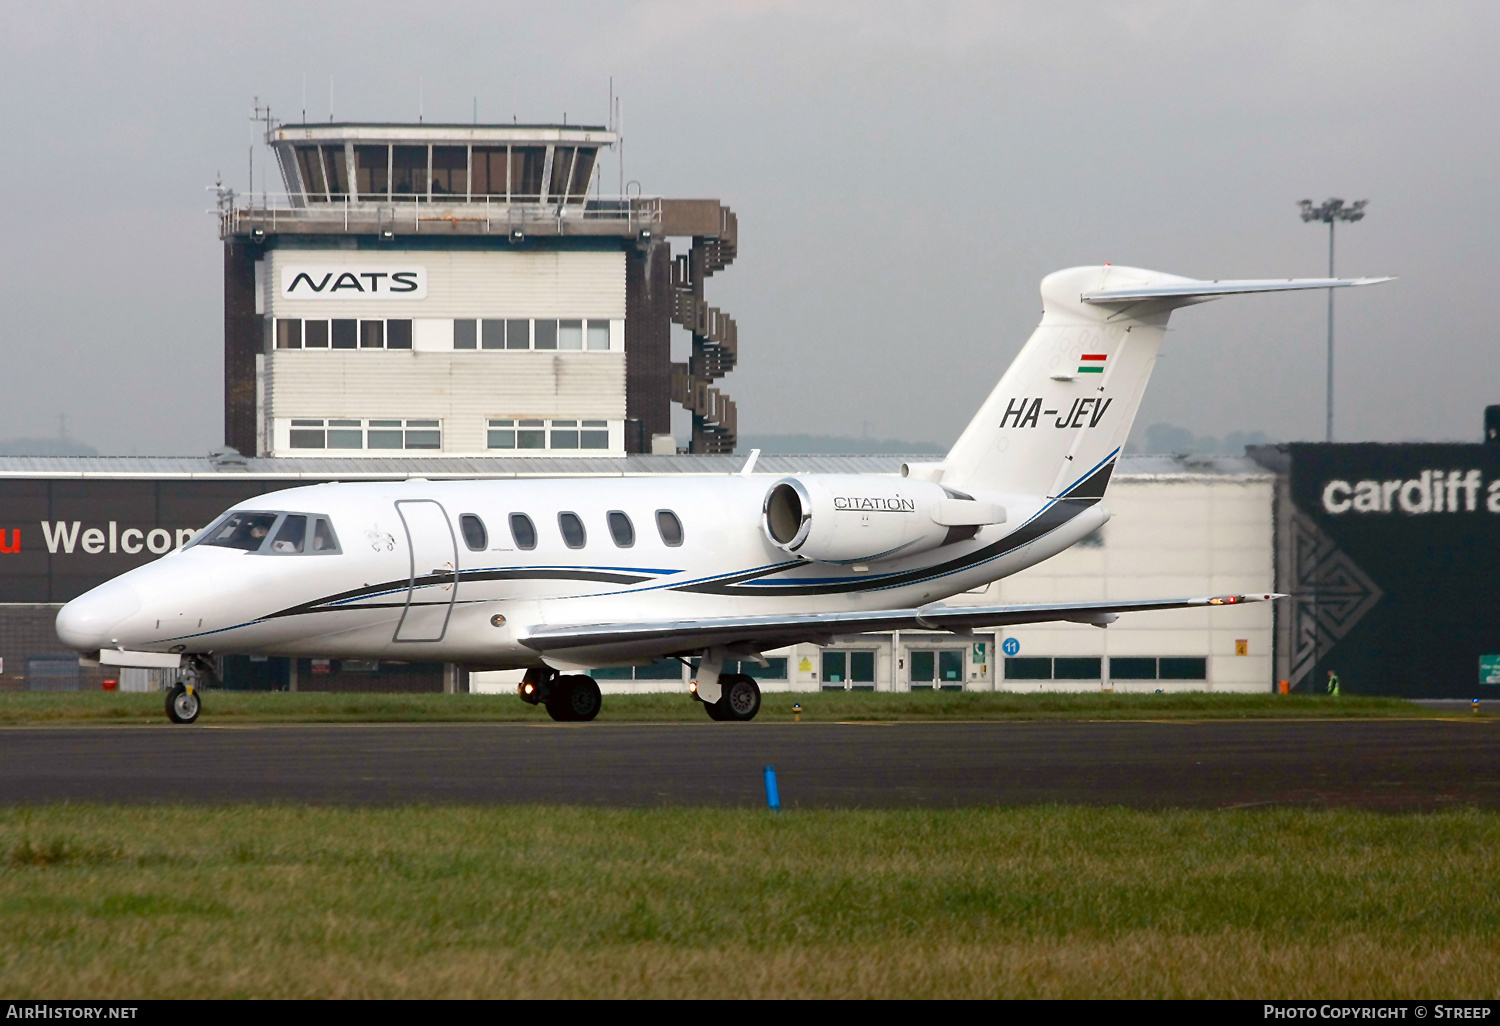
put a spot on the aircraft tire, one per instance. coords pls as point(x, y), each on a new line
point(714, 712)
point(183, 707)
point(573, 698)
point(583, 698)
point(740, 700)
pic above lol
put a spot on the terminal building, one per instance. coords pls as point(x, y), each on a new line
point(464, 301)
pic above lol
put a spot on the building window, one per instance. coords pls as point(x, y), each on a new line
point(465, 334)
point(1182, 668)
point(472, 528)
point(398, 334)
point(598, 336)
point(855, 669)
point(571, 526)
point(1046, 668)
point(621, 529)
point(517, 433)
point(366, 434)
point(669, 527)
point(523, 531)
point(570, 335)
point(395, 333)
point(1132, 668)
point(543, 335)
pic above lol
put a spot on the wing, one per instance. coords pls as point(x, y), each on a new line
point(579, 643)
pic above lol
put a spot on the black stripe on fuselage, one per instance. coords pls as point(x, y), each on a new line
point(346, 599)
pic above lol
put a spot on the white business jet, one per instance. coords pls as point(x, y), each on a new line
point(556, 576)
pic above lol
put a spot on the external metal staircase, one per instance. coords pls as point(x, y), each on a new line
point(715, 339)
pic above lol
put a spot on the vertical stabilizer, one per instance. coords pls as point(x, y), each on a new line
point(1058, 419)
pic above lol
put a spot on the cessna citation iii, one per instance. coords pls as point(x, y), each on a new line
point(556, 576)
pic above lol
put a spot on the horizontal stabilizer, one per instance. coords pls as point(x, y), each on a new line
point(1184, 292)
point(762, 633)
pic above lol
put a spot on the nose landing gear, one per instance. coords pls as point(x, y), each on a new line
point(183, 705)
point(184, 701)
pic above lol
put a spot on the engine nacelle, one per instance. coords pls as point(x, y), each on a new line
point(867, 519)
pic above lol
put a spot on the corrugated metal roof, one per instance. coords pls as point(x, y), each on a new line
point(395, 467)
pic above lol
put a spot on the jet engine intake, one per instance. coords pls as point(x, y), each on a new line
point(866, 519)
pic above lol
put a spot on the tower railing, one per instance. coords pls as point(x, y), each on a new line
point(293, 213)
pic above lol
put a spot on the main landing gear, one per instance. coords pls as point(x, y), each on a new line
point(568, 698)
point(739, 699)
point(184, 700)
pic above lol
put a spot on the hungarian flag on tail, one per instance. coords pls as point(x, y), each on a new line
point(1092, 363)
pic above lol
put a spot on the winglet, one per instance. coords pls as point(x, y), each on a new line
point(750, 463)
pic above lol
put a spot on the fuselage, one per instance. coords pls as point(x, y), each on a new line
point(444, 570)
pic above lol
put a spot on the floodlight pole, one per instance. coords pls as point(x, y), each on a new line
point(1332, 211)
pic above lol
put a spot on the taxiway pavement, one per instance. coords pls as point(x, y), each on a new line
point(1377, 764)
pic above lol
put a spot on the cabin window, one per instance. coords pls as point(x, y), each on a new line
point(669, 527)
point(291, 534)
point(621, 529)
point(573, 533)
point(475, 536)
point(523, 531)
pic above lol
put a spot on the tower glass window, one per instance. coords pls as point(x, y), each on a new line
point(489, 170)
point(526, 165)
point(450, 170)
point(409, 170)
point(372, 172)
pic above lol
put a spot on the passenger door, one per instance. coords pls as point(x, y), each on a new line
point(433, 584)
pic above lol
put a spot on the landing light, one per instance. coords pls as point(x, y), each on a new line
point(693, 686)
point(527, 688)
point(497, 620)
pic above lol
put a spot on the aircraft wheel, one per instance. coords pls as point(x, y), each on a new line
point(183, 706)
point(573, 698)
point(713, 710)
point(584, 700)
point(740, 700)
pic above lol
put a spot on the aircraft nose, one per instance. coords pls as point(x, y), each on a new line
point(87, 623)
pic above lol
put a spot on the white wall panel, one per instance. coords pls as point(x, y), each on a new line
point(589, 284)
point(461, 388)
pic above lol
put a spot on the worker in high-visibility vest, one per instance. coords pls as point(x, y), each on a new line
point(1333, 684)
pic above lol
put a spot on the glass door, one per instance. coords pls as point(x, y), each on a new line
point(941, 668)
point(849, 669)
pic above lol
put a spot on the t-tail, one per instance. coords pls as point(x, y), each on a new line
point(1055, 424)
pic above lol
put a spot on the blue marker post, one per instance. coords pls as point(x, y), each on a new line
point(773, 796)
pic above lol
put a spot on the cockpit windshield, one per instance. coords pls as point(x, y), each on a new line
point(241, 531)
point(272, 533)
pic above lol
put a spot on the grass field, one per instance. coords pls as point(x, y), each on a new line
point(470, 902)
point(311, 707)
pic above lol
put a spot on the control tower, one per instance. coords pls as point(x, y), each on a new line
point(464, 290)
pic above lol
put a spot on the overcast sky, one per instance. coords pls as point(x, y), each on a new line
point(904, 175)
